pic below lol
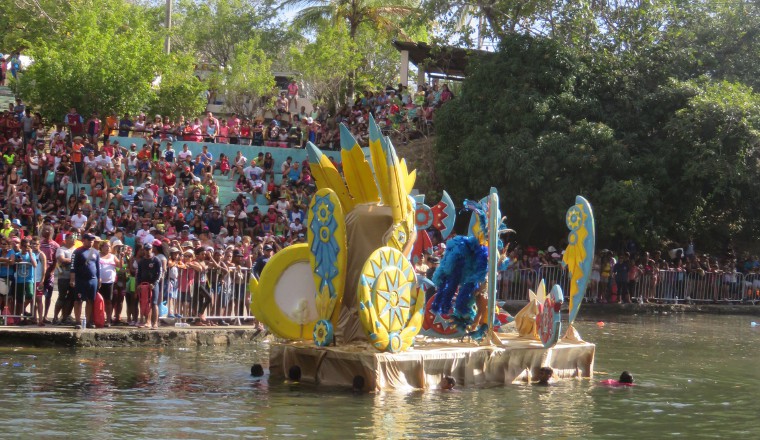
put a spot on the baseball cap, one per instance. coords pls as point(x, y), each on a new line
point(157, 243)
point(147, 246)
point(268, 248)
point(88, 236)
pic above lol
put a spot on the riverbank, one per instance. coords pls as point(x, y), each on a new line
point(652, 309)
point(49, 336)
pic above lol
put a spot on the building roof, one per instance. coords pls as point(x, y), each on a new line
point(441, 61)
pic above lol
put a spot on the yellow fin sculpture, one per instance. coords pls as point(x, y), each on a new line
point(327, 176)
point(525, 319)
point(395, 182)
point(326, 231)
point(356, 169)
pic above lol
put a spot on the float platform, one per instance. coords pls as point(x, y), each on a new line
point(424, 366)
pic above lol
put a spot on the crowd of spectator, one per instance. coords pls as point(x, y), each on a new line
point(72, 182)
point(630, 275)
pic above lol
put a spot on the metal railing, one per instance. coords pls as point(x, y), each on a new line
point(213, 295)
point(662, 286)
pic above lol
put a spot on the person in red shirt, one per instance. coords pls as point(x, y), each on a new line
point(75, 122)
point(245, 132)
point(170, 179)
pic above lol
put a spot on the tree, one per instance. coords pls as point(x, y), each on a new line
point(213, 29)
point(385, 16)
point(179, 91)
point(247, 81)
point(660, 158)
point(100, 59)
point(324, 63)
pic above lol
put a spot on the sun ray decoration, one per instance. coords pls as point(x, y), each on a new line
point(390, 302)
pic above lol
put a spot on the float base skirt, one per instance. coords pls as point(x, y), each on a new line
point(429, 361)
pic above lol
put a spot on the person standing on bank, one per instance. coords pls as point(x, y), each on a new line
point(150, 270)
point(85, 278)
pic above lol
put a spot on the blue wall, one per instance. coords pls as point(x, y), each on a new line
point(249, 151)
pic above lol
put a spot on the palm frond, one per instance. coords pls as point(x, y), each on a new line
point(312, 17)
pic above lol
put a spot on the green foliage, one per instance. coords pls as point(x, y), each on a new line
point(102, 59)
point(212, 30)
point(660, 158)
point(324, 64)
point(362, 20)
point(247, 81)
point(179, 92)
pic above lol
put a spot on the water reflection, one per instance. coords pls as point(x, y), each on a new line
point(695, 376)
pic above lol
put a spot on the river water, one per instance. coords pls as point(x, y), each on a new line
point(697, 376)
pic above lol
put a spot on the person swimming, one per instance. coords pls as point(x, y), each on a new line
point(294, 374)
point(625, 380)
point(544, 375)
point(257, 370)
point(447, 383)
point(357, 384)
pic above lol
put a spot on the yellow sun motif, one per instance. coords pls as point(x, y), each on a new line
point(389, 299)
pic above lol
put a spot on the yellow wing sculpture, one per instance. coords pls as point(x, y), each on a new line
point(579, 256)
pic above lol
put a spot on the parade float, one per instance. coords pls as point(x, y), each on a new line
point(348, 302)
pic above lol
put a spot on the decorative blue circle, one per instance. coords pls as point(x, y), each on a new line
point(323, 333)
point(394, 342)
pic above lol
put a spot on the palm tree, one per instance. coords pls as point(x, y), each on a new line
point(385, 15)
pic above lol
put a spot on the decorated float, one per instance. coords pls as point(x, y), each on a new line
point(348, 303)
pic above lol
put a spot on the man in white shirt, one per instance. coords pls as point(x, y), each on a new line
point(296, 227)
point(103, 160)
point(78, 220)
point(142, 233)
point(16, 141)
point(238, 164)
point(252, 171)
point(185, 154)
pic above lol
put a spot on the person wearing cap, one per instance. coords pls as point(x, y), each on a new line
point(258, 267)
point(85, 278)
point(66, 294)
point(149, 272)
point(7, 228)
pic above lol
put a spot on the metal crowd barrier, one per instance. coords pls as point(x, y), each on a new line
point(13, 302)
point(662, 286)
point(214, 294)
point(514, 284)
point(678, 285)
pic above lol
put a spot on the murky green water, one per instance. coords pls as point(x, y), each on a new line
point(698, 376)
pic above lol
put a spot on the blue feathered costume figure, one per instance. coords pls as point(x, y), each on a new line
point(464, 266)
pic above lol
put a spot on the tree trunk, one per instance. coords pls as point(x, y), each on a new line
point(353, 27)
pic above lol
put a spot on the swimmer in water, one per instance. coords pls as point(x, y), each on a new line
point(544, 376)
point(358, 384)
point(447, 383)
point(294, 374)
point(626, 380)
point(257, 370)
